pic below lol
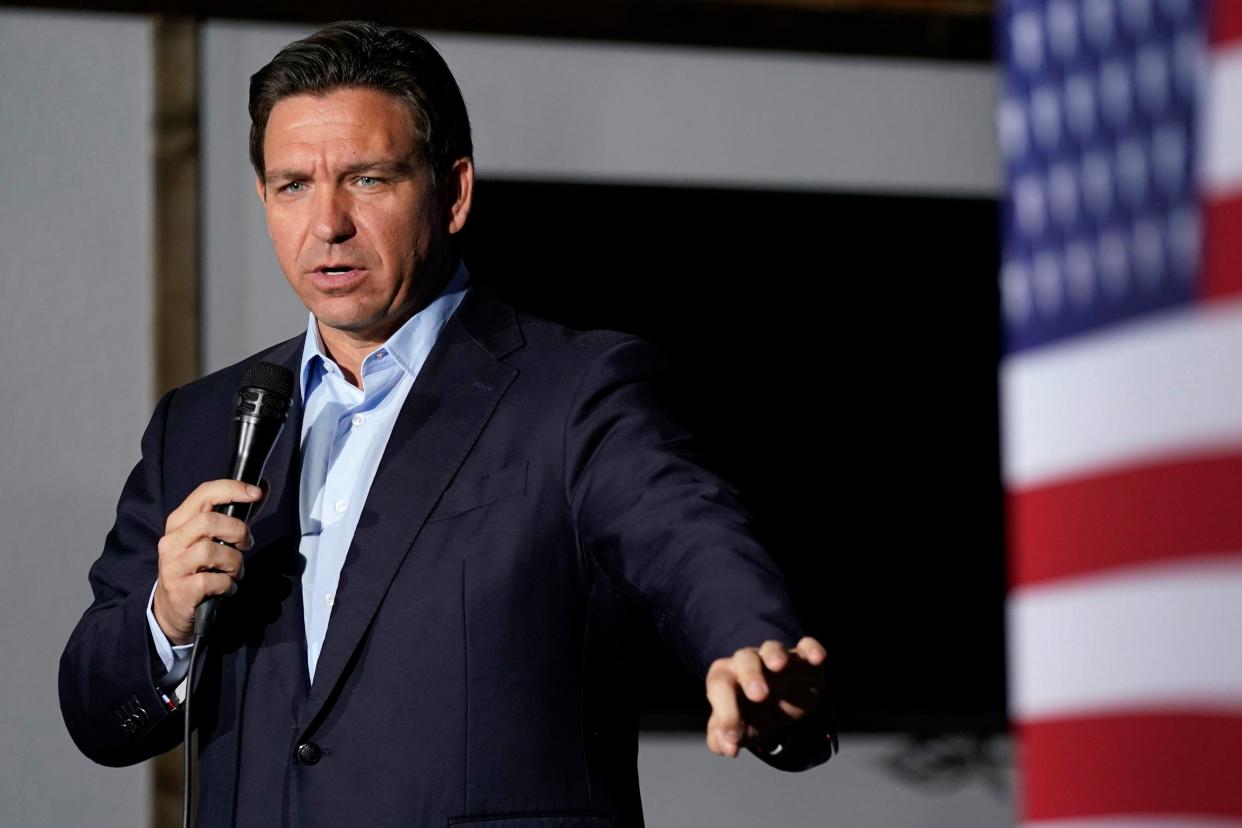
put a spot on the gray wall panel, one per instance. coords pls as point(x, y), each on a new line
point(684, 785)
point(76, 373)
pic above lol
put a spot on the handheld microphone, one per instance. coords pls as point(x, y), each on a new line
point(262, 408)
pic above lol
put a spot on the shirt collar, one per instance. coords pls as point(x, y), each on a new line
point(408, 346)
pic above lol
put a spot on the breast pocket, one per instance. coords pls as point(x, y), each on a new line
point(475, 492)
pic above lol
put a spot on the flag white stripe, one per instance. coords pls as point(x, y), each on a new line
point(1222, 123)
point(1149, 637)
point(1136, 392)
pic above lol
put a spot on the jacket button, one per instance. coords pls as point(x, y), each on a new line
point(308, 753)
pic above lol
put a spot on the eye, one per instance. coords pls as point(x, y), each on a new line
point(293, 187)
point(367, 181)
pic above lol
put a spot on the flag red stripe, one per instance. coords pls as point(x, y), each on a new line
point(1154, 763)
point(1226, 25)
point(1150, 513)
point(1222, 242)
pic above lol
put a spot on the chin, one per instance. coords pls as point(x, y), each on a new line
point(342, 312)
point(348, 324)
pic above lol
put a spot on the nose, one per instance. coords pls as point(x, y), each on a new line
point(331, 222)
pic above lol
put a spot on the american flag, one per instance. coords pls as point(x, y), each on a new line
point(1120, 122)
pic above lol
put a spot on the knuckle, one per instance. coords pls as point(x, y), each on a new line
point(232, 562)
point(195, 553)
point(226, 525)
point(211, 583)
point(197, 523)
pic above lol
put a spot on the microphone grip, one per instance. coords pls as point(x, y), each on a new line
point(205, 614)
point(253, 440)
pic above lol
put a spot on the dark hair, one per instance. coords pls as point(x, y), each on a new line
point(363, 55)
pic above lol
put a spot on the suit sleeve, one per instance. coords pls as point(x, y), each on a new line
point(658, 522)
point(107, 695)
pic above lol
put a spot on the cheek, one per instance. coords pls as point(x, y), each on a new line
point(278, 228)
point(287, 237)
point(397, 239)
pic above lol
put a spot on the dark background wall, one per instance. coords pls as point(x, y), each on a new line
point(838, 355)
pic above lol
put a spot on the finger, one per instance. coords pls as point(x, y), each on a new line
point(213, 526)
point(812, 651)
point(749, 669)
point(208, 556)
point(773, 655)
point(792, 710)
point(262, 501)
point(209, 495)
point(719, 740)
point(717, 745)
point(725, 725)
point(207, 584)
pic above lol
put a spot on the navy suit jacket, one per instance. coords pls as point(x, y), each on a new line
point(534, 492)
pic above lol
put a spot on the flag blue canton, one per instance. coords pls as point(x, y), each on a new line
point(1097, 125)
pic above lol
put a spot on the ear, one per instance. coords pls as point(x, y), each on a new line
point(260, 189)
point(459, 186)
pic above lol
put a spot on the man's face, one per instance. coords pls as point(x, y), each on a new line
point(358, 228)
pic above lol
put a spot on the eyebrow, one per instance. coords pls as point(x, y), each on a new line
point(390, 168)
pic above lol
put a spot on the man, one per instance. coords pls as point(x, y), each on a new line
point(465, 508)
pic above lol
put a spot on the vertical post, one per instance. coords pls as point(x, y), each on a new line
point(175, 260)
point(176, 254)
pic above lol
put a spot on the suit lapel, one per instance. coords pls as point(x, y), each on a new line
point(452, 399)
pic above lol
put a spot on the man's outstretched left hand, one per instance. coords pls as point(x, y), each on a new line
point(757, 692)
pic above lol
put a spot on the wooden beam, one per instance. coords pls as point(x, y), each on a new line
point(176, 304)
point(176, 220)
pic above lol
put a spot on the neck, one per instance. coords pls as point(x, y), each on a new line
point(348, 350)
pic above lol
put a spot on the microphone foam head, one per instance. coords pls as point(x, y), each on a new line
point(270, 377)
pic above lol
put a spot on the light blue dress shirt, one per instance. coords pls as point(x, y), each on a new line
point(344, 432)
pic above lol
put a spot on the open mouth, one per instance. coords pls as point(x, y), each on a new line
point(337, 277)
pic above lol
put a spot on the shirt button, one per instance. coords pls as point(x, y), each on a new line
point(358, 419)
point(381, 354)
point(341, 506)
point(329, 599)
